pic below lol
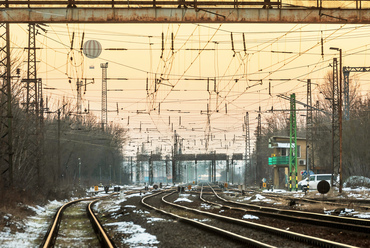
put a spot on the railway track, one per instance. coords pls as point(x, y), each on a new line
point(211, 228)
point(75, 225)
point(345, 223)
point(281, 238)
point(361, 203)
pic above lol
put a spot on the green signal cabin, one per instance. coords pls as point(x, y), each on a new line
point(279, 159)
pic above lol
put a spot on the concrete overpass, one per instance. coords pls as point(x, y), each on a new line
point(182, 11)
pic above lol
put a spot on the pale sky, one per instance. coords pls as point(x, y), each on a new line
point(285, 55)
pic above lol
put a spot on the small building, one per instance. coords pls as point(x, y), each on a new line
point(279, 159)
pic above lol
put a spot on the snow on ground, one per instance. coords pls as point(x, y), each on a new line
point(250, 217)
point(362, 215)
point(156, 219)
point(259, 197)
point(137, 237)
point(205, 206)
point(29, 231)
point(183, 198)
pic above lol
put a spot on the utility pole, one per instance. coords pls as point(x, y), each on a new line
point(131, 172)
point(151, 169)
point(174, 154)
point(104, 100)
point(6, 137)
point(247, 148)
point(309, 134)
point(79, 171)
point(258, 151)
point(196, 170)
point(335, 121)
point(137, 166)
point(293, 150)
point(59, 159)
point(227, 170)
point(167, 169)
point(340, 120)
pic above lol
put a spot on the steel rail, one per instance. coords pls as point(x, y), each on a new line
point(307, 220)
point(103, 237)
point(333, 202)
point(52, 232)
point(228, 234)
point(290, 235)
point(361, 225)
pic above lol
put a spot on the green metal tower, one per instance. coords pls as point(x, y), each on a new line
point(293, 149)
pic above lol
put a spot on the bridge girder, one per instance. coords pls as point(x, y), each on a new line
point(183, 15)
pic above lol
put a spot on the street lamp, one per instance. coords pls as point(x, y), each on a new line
point(340, 118)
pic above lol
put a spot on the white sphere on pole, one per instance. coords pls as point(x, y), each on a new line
point(92, 49)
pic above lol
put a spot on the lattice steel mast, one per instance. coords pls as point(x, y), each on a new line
point(335, 121)
point(309, 132)
point(346, 71)
point(6, 135)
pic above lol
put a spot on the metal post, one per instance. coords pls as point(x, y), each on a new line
point(335, 121)
point(293, 175)
point(6, 90)
point(247, 149)
point(196, 170)
point(79, 171)
point(340, 122)
point(227, 170)
point(132, 173)
point(104, 103)
point(174, 154)
point(59, 159)
point(309, 134)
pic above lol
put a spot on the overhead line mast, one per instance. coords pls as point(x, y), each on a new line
point(6, 118)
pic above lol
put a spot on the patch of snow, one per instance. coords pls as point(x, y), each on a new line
point(32, 227)
point(203, 220)
point(153, 219)
point(138, 237)
point(365, 215)
point(37, 209)
point(258, 197)
point(140, 212)
point(205, 206)
point(7, 216)
point(113, 208)
point(130, 206)
point(250, 217)
point(141, 240)
point(328, 212)
point(183, 200)
point(138, 194)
